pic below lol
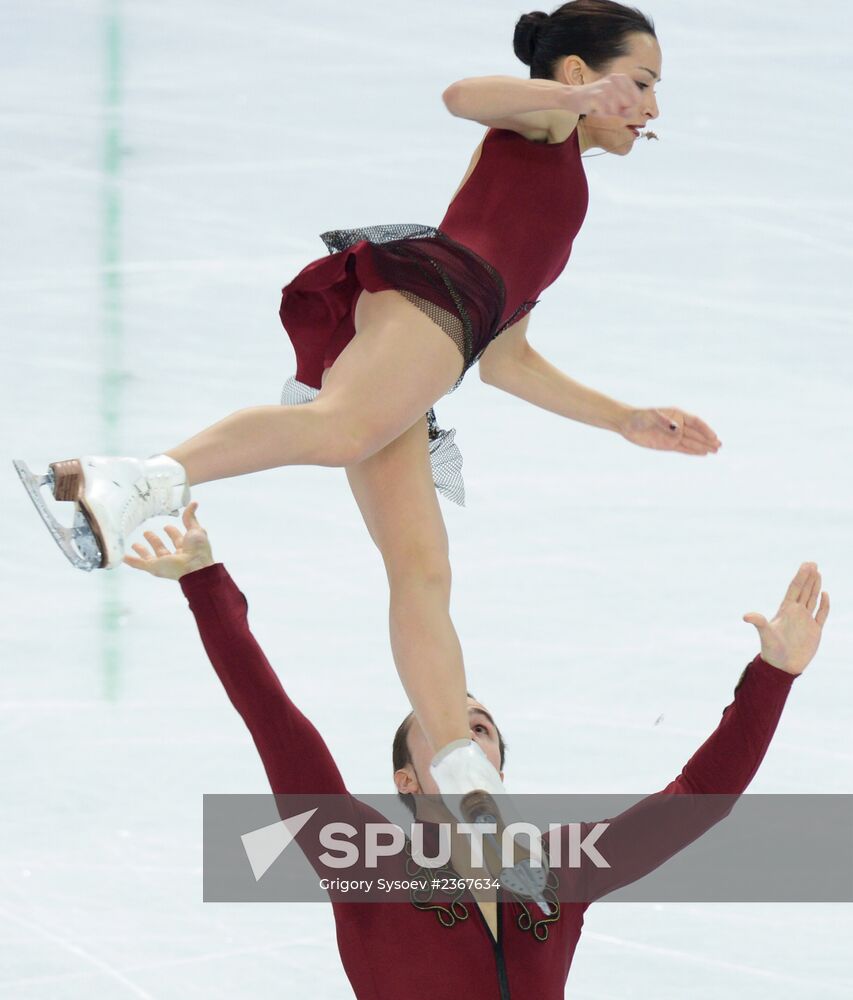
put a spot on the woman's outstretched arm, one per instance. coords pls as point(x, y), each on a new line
point(511, 364)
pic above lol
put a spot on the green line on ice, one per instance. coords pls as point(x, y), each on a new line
point(112, 375)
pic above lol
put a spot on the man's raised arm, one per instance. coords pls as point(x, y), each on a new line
point(643, 837)
point(294, 754)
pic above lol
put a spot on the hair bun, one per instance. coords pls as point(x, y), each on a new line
point(526, 32)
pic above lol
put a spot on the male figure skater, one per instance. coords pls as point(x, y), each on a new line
point(476, 948)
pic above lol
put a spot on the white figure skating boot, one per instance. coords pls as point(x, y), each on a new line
point(111, 496)
point(473, 791)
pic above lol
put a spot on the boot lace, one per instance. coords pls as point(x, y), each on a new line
point(149, 496)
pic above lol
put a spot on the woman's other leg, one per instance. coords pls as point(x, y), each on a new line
point(397, 365)
point(395, 493)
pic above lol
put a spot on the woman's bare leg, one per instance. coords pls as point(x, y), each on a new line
point(395, 493)
point(397, 365)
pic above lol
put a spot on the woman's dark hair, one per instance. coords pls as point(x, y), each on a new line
point(400, 755)
point(595, 30)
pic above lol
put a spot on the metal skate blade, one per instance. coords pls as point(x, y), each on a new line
point(525, 880)
point(77, 542)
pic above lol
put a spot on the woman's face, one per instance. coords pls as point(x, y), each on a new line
point(642, 64)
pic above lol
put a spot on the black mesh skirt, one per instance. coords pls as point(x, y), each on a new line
point(456, 288)
point(459, 291)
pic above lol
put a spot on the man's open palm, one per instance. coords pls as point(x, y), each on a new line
point(790, 640)
point(192, 549)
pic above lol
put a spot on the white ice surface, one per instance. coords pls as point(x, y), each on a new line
point(597, 587)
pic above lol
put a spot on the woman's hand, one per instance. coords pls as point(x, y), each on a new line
point(791, 639)
point(668, 429)
point(614, 95)
point(192, 549)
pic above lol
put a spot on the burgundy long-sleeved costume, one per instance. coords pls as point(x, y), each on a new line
point(393, 950)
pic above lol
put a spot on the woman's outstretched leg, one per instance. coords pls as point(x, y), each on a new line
point(397, 365)
point(395, 493)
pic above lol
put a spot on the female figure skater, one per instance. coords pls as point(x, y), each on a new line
point(395, 317)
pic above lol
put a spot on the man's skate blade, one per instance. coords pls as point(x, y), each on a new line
point(78, 542)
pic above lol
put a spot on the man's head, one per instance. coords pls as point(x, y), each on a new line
point(411, 753)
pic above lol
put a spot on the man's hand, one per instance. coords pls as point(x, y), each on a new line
point(668, 429)
point(791, 639)
point(192, 549)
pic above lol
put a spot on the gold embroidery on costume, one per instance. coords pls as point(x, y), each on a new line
point(539, 928)
point(425, 899)
point(454, 911)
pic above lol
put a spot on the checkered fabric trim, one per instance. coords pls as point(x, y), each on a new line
point(444, 454)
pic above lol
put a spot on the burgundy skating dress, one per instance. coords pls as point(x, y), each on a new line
point(506, 236)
